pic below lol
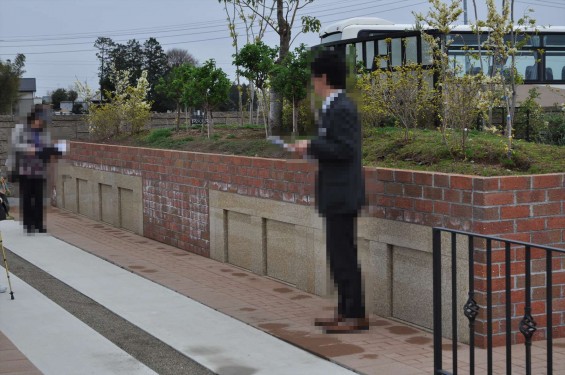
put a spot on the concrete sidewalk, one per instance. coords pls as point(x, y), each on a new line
point(262, 303)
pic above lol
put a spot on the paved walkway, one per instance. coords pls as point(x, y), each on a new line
point(262, 303)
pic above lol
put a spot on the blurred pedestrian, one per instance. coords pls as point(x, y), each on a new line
point(31, 149)
point(340, 187)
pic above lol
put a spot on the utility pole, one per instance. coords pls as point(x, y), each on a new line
point(465, 17)
point(102, 74)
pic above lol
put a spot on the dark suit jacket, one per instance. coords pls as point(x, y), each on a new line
point(340, 186)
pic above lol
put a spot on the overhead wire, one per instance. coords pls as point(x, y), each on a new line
point(223, 37)
point(142, 31)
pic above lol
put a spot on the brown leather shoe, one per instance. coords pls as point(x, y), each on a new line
point(324, 322)
point(349, 325)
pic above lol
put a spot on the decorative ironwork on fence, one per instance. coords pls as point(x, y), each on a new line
point(471, 308)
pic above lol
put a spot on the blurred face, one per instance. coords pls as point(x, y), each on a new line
point(37, 124)
point(41, 119)
point(320, 85)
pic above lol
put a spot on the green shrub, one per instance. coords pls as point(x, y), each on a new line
point(158, 134)
point(553, 132)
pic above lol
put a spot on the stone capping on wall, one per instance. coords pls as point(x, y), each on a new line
point(176, 208)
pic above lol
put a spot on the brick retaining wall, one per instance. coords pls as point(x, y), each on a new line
point(526, 208)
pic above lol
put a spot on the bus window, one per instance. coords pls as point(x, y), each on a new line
point(554, 65)
point(335, 37)
point(427, 53)
point(370, 51)
point(358, 53)
point(554, 40)
point(526, 63)
point(396, 52)
point(524, 40)
point(462, 40)
point(411, 50)
point(383, 52)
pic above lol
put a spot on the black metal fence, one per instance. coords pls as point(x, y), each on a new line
point(527, 326)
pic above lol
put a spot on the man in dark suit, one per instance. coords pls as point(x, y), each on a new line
point(340, 187)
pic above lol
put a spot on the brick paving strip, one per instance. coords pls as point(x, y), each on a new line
point(389, 347)
point(13, 361)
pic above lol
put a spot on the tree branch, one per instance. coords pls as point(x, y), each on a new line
point(266, 19)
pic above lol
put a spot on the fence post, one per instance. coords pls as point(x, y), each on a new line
point(437, 300)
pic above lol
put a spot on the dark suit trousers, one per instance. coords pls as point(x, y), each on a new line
point(342, 254)
point(31, 202)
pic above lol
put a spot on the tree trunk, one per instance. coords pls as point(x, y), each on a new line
point(240, 102)
point(178, 117)
point(294, 118)
point(252, 102)
point(267, 130)
point(512, 108)
point(189, 119)
point(284, 31)
point(275, 112)
point(210, 121)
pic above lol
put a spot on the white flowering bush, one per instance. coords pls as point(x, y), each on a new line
point(127, 110)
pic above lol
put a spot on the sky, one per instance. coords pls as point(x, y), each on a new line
point(57, 36)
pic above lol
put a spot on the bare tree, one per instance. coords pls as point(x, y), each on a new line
point(280, 16)
point(177, 57)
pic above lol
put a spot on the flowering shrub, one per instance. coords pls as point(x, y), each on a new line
point(126, 111)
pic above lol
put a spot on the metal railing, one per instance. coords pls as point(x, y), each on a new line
point(471, 308)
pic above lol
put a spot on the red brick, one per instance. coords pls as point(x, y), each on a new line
point(405, 203)
point(547, 181)
point(394, 188)
point(413, 217)
point(441, 180)
point(385, 174)
point(515, 183)
point(462, 182)
point(556, 223)
point(495, 227)
point(459, 210)
point(493, 199)
point(547, 209)
point(394, 214)
point(262, 163)
point(288, 176)
point(467, 197)
point(486, 213)
point(403, 176)
point(423, 205)
point(422, 178)
point(385, 201)
point(523, 237)
point(528, 225)
point(299, 166)
point(452, 195)
point(433, 193)
point(513, 212)
point(433, 220)
point(414, 191)
point(374, 186)
point(530, 196)
point(441, 207)
point(556, 194)
point(370, 173)
point(546, 237)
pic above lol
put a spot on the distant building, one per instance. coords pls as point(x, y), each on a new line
point(26, 96)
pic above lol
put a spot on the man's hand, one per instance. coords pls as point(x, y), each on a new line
point(301, 147)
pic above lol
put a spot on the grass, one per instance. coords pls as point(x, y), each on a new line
point(485, 154)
